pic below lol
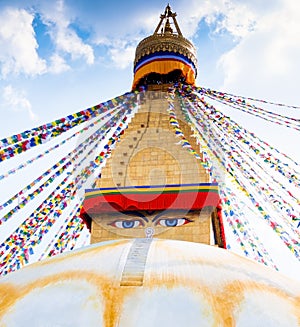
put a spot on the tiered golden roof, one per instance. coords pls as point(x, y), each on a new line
point(166, 40)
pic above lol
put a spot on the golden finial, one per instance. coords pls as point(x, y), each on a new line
point(168, 49)
point(165, 22)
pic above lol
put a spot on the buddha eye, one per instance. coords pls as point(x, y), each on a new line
point(126, 223)
point(173, 222)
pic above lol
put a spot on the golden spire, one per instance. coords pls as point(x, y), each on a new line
point(164, 51)
point(165, 22)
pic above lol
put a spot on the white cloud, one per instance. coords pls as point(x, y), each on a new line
point(236, 18)
point(58, 64)
point(65, 38)
point(122, 54)
point(121, 51)
point(266, 62)
point(68, 41)
point(18, 46)
point(16, 100)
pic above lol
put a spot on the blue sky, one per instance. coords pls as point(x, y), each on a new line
point(58, 57)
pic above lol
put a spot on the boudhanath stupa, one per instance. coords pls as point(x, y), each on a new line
point(140, 214)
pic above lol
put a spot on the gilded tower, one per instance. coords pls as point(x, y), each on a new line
point(166, 56)
point(152, 186)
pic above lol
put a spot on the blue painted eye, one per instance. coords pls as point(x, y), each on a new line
point(173, 222)
point(126, 223)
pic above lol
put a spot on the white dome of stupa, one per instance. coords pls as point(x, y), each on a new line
point(148, 282)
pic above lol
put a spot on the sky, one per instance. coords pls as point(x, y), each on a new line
point(62, 56)
point(59, 57)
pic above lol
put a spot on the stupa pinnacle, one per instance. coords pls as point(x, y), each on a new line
point(165, 56)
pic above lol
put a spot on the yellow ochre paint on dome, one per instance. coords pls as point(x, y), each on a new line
point(175, 271)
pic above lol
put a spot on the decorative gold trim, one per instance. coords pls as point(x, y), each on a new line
point(166, 42)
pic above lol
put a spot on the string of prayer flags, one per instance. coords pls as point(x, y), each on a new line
point(17, 250)
point(178, 131)
point(203, 90)
point(230, 145)
point(107, 115)
point(17, 144)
